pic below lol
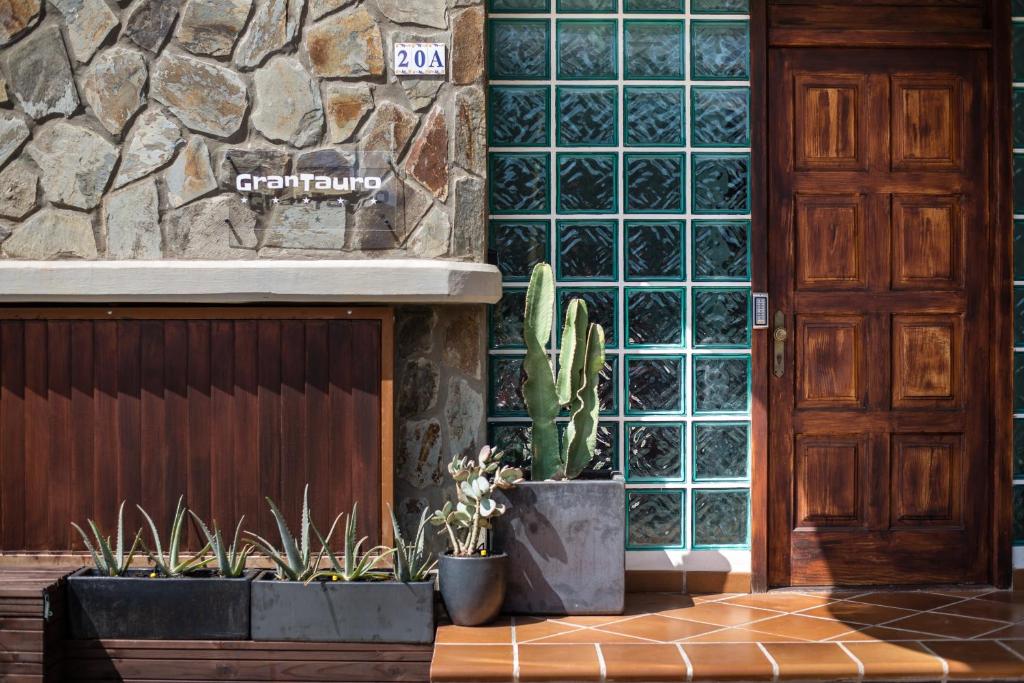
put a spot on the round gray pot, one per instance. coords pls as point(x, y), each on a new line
point(473, 588)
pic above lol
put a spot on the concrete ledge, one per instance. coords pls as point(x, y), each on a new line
point(356, 281)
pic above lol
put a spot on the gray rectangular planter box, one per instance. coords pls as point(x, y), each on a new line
point(202, 607)
point(566, 546)
point(340, 612)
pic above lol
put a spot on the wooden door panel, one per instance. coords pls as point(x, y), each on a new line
point(830, 364)
point(830, 122)
point(927, 361)
point(831, 477)
point(926, 484)
point(831, 249)
point(927, 122)
point(927, 238)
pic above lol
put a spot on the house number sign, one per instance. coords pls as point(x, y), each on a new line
point(420, 59)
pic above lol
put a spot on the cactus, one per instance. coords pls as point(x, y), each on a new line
point(356, 565)
point(295, 560)
point(110, 559)
point(412, 561)
point(581, 359)
point(231, 561)
point(171, 564)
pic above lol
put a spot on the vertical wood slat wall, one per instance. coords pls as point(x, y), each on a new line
point(222, 410)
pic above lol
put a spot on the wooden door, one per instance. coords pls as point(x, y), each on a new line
point(879, 253)
point(224, 406)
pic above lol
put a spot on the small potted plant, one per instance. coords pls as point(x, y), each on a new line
point(178, 598)
point(355, 599)
point(473, 580)
point(565, 537)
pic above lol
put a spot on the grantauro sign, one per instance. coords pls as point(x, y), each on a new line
point(307, 182)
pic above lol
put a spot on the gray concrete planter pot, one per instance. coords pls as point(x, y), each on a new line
point(340, 612)
point(473, 588)
point(199, 607)
point(566, 546)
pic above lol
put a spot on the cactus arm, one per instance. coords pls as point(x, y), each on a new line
point(539, 389)
point(583, 422)
point(571, 355)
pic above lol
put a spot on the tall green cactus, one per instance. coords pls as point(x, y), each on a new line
point(580, 363)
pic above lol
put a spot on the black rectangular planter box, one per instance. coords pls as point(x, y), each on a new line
point(342, 612)
point(565, 542)
point(200, 607)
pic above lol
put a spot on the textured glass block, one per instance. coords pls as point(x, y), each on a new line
point(518, 246)
point(655, 116)
point(719, 6)
point(1018, 52)
point(602, 307)
point(721, 384)
point(606, 450)
point(1018, 382)
point(654, 49)
point(519, 183)
point(655, 451)
point(608, 386)
point(518, 116)
point(1018, 250)
point(654, 317)
point(720, 250)
point(1018, 514)
point(1018, 183)
point(507, 377)
point(1018, 448)
point(721, 183)
point(586, 183)
point(587, 5)
point(519, 5)
point(587, 50)
point(655, 183)
point(519, 49)
point(720, 50)
point(655, 6)
point(721, 117)
point(1018, 117)
point(587, 250)
point(588, 116)
point(1017, 8)
point(655, 250)
point(512, 439)
point(655, 384)
point(507, 319)
point(655, 519)
point(720, 317)
point(720, 518)
point(1018, 316)
point(720, 450)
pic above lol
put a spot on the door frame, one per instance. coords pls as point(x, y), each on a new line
point(997, 40)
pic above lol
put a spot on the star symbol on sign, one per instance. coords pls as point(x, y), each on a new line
point(305, 200)
point(245, 200)
point(341, 200)
point(276, 200)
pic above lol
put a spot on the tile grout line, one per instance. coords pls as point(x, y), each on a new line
point(1011, 650)
point(942, 660)
point(686, 661)
point(855, 658)
point(771, 660)
point(602, 666)
point(515, 650)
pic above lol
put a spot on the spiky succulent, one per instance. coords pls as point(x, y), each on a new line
point(172, 564)
point(355, 565)
point(231, 560)
point(295, 560)
point(412, 561)
point(109, 561)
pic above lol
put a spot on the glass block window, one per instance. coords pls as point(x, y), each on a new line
point(620, 153)
point(1018, 271)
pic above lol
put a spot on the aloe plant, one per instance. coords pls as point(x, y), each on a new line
point(172, 564)
point(295, 560)
point(110, 561)
point(230, 560)
point(580, 363)
point(475, 481)
point(354, 565)
point(412, 562)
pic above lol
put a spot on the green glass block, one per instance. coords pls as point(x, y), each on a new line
point(518, 116)
point(720, 450)
point(655, 183)
point(586, 183)
point(1018, 448)
point(1018, 117)
point(588, 116)
point(654, 385)
point(721, 384)
point(1018, 316)
point(719, 6)
point(721, 183)
point(1018, 183)
point(606, 449)
point(518, 246)
point(1017, 8)
point(655, 6)
point(587, 49)
point(721, 250)
point(1018, 52)
point(519, 49)
point(654, 50)
point(721, 317)
point(1018, 515)
point(507, 319)
point(654, 317)
point(1018, 250)
point(608, 386)
point(519, 182)
point(720, 50)
point(1018, 382)
point(655, 451)
point(513, 441)
point(721, 117)
point(655, 519)
point(655, 250)
point(500, 6)
point(720, 518)
point(587, 250)
point(602, 307)
point(655, 116)
point(507, 377)
point(587, 5)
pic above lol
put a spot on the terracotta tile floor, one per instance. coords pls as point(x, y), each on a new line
point(909, 635)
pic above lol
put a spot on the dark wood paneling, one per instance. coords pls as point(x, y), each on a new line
point(224, 411)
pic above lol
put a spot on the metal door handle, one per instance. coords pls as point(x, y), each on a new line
point(780, 335)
